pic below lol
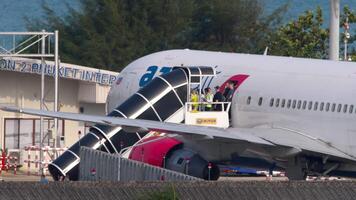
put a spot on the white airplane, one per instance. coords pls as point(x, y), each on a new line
point(293, 114)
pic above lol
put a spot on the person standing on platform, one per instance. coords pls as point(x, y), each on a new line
point(208, 98)
point(231, 91)
point(202, 99)
point(226, 90)
point(218, 97)
point(194, 98)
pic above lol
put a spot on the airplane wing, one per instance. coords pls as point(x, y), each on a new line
point(272, 137)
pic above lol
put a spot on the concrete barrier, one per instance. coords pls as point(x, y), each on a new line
point(100, 166)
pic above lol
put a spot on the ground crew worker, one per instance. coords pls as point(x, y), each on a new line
point(209, 99)
point(194, 98)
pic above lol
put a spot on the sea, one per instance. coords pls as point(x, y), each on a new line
point(14, 13)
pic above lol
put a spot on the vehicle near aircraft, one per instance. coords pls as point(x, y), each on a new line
point(290, 114)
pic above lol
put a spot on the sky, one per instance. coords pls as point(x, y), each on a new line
point(14, 12)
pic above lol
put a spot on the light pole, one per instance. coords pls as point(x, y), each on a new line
point(334, 29)
point(56, 64)
point(120, 153)
point(209, 170)
point(346, 37)
point(43, 52)
point(187, 166)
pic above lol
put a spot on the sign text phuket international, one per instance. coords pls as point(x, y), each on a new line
point(65, 70)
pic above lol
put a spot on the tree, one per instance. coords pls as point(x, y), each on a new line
point(109, 34)
point(233, 26)
point(304, 37)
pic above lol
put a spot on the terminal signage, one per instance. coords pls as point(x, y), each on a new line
point(65, 70)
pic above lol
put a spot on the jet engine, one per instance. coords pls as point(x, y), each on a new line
point(170, 153)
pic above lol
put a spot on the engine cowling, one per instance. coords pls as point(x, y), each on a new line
point(170, 154)
point(154, 150)
point(189, 162)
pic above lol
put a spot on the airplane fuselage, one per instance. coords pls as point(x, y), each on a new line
point(312, 97)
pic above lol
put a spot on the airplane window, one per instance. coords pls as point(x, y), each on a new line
point(271, 102)
point(321, 106)
point(283, 103)
point(310, 105)
point(345, 108)
point(333, 107)
point(260, 101)
point(289, 102)
point(351, 108)
point(277, 102)
point(304, 104)
point(248, 100)
point(339, 108)
point(294, 103)
point(299, 104)
point(327, 107)
point(316, 106)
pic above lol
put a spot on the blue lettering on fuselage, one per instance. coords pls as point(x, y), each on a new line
point(151, 72)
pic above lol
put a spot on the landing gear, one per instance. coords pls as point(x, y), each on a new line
point(298, 167)
point(294, 169)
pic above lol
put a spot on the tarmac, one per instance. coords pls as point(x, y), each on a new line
point(20, 177)
point(23, 177)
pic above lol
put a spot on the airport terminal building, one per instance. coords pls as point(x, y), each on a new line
point(81, 90)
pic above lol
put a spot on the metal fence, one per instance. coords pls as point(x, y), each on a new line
point(100, 166)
